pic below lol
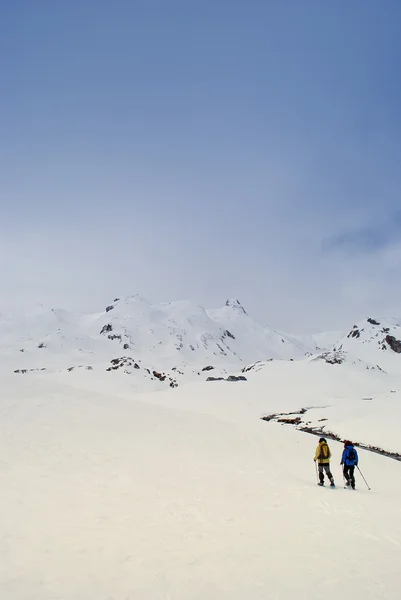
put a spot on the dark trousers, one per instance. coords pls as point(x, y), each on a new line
point(324, 468)
point(349, 474)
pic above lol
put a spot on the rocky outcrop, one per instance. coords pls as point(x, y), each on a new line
point(354, 333)
point(124, 362)
point(394, 344)
point(229, 378)
point(237, 305)
point(106, 328)
point(128, 364)
point(333, 358)
point(24, 371)
point(294, 418)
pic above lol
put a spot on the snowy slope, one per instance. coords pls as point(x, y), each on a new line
point(185, 495)
point(375, 341)
point(189, 493)
point(320, 341)
point(157, 337)
point(256, 341)
point(189, 334)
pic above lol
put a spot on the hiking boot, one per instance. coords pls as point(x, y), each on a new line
point(332, 484)
point(347, 483)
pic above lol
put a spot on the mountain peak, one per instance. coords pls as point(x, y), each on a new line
point(236, 304)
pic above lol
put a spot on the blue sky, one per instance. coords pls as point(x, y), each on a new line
point(203, 150)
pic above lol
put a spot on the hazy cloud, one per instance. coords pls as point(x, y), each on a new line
point(202, 152)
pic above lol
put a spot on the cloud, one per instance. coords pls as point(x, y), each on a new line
point(367, 239)
point(140, 159)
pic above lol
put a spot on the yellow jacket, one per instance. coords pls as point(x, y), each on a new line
point(323, 453)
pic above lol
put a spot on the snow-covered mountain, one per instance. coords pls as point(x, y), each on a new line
point(115, 494)
point(177, 341)
point(374, 341)
point(157, 336)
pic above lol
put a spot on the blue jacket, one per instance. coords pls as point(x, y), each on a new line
point(345, 460)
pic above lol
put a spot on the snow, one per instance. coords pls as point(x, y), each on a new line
point(114, 493)
point(367, 341)
point(162, 336)
point(163, 496)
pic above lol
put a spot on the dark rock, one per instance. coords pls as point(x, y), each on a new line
point(116, 299)
point(394, 344)
point(229, 334)
point(208, 368)
point(355, 333)
point(114, 336)
point(106, 328)
point(333, 358)
point(293, 421)
point(89, 368)
point(126, 346)
point(373, 322)
point(236, 378)
point(221, 350)
point(42, 345)
point(236, 304)
point(109, 308)
point(215, 379)
point(159, 376)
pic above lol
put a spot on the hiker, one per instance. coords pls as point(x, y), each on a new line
point(323, 456)
point(350, 460)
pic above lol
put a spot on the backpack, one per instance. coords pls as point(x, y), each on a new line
point(324, 451)
point(351, 455)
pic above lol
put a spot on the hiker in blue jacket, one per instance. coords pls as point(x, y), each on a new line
point(349, 460)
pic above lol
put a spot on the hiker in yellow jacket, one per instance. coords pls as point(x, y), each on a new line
point(323, 456)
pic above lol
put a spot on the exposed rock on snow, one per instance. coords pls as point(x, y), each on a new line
point(236, 304)
point(229, 378)
point(184, 335)
point(125, 362)
point(294, 418)
point(333, 358)
point(394, 344)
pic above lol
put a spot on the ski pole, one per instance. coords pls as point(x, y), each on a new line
point(317, 475)
point(367, 485)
